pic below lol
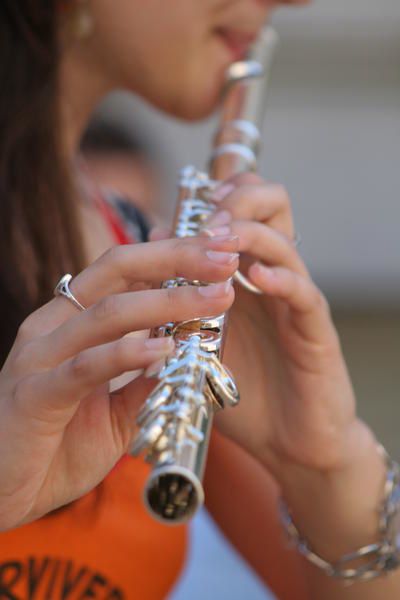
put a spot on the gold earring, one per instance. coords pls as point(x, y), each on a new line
point(83, 23)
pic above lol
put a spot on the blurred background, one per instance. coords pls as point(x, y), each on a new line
point(332, 136)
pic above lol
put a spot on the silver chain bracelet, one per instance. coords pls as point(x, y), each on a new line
point(380, 558)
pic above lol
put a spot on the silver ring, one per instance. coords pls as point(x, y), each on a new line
point(246, 283)
point(62, 289)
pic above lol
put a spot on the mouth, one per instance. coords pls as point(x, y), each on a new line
point(237, 42)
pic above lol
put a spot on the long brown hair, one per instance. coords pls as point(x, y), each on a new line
point(39, 234)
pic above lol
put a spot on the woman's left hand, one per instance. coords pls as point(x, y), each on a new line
point(297, 402)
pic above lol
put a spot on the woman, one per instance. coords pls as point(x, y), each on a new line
point(296, 429)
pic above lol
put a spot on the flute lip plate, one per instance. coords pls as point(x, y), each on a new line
point(258, 60)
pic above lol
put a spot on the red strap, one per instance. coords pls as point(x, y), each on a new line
point(114, 222)
point(111, 217)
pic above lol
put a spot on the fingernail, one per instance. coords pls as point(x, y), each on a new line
point(217, 231)
point(159, 344)
point(222, 258)
point(222, 217)
point(222, 239)
point(215, 290)
point(222, 191)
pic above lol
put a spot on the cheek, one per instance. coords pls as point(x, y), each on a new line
point(172, 60)
point(186, 82)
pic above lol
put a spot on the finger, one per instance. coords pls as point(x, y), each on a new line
point(53, 396)
point(248, 200)
point(121, 267)
point(154, 262)
point(125, 404)
point(117, 315)
point(268, 245)
point(309, 308)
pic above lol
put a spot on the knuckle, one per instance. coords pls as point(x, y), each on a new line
point(292, 285)
point(80, 366)
point(107, 308)
point(179, 303)
point(322, 301)
point(288, 253)
point(25, 357)
point(179, 245)
point(212, 306)
point(113, 256)
point(122, 352)
point(115, 259)
point(317, 298)
point(172, 298)
point(299, 288)
point(22, 391)
point(186, 303)
point(27, 329)
point(282, 195)
point(180, 250)
point(247, 179)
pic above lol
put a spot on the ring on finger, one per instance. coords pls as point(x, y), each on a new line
point(62, 289)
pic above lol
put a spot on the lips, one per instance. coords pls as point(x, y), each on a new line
point(237, 42)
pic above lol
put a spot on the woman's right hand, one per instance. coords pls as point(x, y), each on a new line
point(61, 430)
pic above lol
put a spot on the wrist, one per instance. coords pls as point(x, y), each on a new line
point(336, 510)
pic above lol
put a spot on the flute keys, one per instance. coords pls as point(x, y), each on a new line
point(159, 397)
point(222, 384)
point(149, 436)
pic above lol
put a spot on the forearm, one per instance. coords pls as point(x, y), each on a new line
point(242, 497)
point(337, 513)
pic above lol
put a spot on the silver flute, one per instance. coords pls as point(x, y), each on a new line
point(175, 422)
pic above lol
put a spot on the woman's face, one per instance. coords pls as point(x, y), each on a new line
point(174, 52)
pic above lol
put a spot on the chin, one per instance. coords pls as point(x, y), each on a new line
point(195, 110)
point(193, 103)
point(190, 109)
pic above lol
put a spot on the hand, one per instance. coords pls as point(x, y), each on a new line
point(297, 405)
point(61, 429)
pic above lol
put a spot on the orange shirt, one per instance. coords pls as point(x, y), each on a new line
point(104, 546)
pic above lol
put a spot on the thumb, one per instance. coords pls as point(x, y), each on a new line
point(126, 403)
